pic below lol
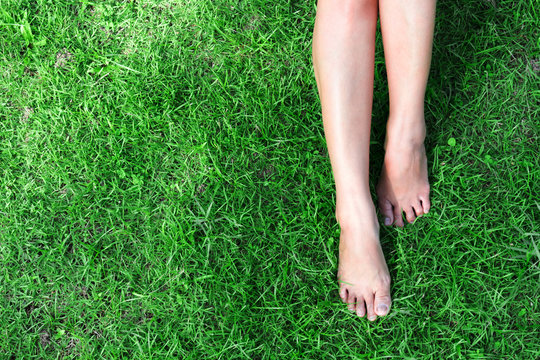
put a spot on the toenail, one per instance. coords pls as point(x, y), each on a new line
point(382, 308)
point(372, 318)
point(387, 221)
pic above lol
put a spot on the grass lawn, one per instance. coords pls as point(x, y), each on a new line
point(166, 192)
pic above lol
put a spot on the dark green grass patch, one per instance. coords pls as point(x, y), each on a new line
point(166, 192)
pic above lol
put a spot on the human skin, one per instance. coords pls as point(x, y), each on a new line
point(343, 55)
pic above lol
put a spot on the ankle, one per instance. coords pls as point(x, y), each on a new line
point(405, 133)
point(355, 214)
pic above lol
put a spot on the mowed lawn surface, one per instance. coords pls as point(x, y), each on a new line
point(166, 192)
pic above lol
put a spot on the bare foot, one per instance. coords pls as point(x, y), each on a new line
point(363, 274)
point(404, 185)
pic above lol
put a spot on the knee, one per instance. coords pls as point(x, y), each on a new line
point(355, 10)
point(347, 17)
point(351, 12)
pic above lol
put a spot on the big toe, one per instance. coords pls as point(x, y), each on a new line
point(382, 303)
point(387, 210)
point(382, 300)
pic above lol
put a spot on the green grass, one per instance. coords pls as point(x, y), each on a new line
point(165, 189)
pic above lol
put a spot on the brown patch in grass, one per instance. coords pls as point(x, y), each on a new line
point(30, 72)
point(84, 292)
point(266, 172)
point(128, 51)
point(27, 111)
point(72, 343)
point(62, 58)
point(44, 338)
point(105, 30)
point(29, 308)
point(201, 188)
point(535, 63)
point(253, 23)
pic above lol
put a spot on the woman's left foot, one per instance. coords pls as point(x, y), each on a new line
point(403, 185)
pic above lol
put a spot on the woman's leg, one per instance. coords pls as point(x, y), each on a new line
point(407, 29)
point(343, 60)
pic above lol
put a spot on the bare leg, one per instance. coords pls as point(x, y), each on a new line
point(407, 29)
point(343, 60)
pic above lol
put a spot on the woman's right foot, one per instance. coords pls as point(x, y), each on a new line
point(363, 273)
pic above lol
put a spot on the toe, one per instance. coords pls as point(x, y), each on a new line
point(382, 301)
point(409, 214)
point(351, 300)
point(369, 307)
point(426, 204)
point(398, 219)
point(387, 210)
point(360, 307)
point(343, 294)
point(418, 210)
